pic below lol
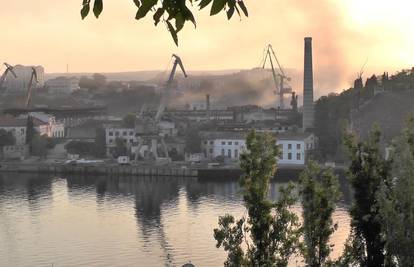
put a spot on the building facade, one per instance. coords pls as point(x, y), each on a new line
point(293, 146)
point(62, 85)
point(17, 126)
point(45, 124)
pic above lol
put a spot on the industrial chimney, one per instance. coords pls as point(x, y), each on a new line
point(208, 106)
point(308, 112)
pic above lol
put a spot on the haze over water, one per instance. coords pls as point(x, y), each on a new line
point(121, 221)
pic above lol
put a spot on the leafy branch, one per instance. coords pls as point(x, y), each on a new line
point(174, 13)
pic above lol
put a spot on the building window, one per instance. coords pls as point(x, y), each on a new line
point(298, 146)
point(124, 133)
point(223, 143)
point(116, 133)
point(211, 142)
point(211, 151)
point(205, 142)
point(131, 133)
point(229, 153)
point(298, 156)
point(289, 146)
point(111, 134)
point(236, 143)
point(229, 143)
point(110, 141)
point(222, 152)
point(281, 150)
point(131, 141)
point(289, 156)
point(236, 153)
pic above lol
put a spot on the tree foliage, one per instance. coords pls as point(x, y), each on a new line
point(271, 231)
point(397, 201)
point(128, 120)
point(6, 138)
point(39, 145)
point(368, 170)
point(173, 13)
point(319, 190)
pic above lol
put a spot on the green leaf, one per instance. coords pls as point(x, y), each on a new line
point(243, 8)
point(204, 3)
point(218, 6)
point(230, 12)
point(179, 22)
point(137, 3)
point(146, 6)
point(188, 15)
point(85, 10)
point(97, 8)
point(157, 15)
point(173, 32)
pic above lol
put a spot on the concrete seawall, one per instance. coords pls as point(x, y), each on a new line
point(283, 172)
point(113, 170)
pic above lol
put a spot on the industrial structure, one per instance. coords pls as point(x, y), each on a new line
point(308, 109)
point(147, 128)
point(9, 69)
point(280, 79)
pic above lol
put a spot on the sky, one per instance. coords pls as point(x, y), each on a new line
point(345, 35)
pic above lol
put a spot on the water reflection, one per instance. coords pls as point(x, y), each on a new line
point(101, 221)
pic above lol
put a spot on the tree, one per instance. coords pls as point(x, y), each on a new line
point(169, 10)
point(319, 190)
point(271, 231)
point(100, 143)
point(6, 138)
point(129, 120)
point(397, 201)
point(368, 170)
point(120, 147)
point(39, 145)
point(30, 130)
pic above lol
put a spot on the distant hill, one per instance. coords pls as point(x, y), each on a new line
point(389, 110)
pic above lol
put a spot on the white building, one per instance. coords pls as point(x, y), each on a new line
point(62, 85)
point(293, 146)
point(24, 74)
point(113, 132)
point(45, 124)
point(17, 126)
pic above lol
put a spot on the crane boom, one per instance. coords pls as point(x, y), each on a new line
point(164, 94)
point(10, 69)
point(279, 84)
point(33, 78)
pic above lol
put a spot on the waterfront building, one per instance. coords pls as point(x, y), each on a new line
point(229, 145)
point(45, 124)
point(17, 126)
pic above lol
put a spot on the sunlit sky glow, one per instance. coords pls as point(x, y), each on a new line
point(345, 33)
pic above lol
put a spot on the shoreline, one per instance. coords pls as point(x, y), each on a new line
point(152, 170)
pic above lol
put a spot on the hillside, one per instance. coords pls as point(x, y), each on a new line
point(389, 110)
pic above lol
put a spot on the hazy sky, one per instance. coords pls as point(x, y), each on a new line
point(345, 34)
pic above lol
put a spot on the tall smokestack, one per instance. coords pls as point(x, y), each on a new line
point(308, 112)
point(208, 106)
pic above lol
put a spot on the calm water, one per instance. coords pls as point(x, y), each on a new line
point(47, 221)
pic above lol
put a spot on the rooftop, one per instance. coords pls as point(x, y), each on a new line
point(237, 135)
point(10, 121)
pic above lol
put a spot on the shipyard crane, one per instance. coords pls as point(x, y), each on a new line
point(281, 88)
point(148, 129)
point(9, 69)
point(167, 90)
point(33, 79)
